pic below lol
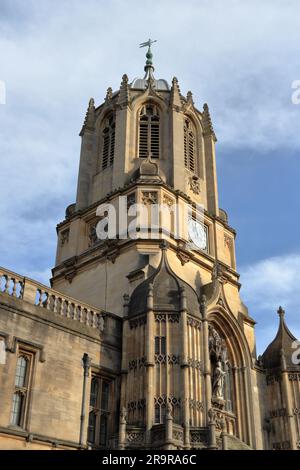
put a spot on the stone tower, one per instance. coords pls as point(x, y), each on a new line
point(188, 341)
point(143, 340)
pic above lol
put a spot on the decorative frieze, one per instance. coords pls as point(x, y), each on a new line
point(164, 317)
point(194, 363)
point(135, 437)
point(137, 363)
point(163, 358)
point(199, 436)
point(136, 405)
point(164, 400)
point(196, 404)
point(294, 376)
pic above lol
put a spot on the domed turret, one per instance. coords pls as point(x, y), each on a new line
point(281, 347)
point(167, 289)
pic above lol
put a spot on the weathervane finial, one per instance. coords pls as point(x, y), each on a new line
point(149, 65)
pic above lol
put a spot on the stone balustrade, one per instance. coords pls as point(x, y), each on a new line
point(42, 296)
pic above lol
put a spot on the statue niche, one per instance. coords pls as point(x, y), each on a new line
point(220, 371)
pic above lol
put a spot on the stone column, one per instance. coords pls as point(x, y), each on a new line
point(184, 368)
point(149, 364)
point(122, 429)
point(288, 401)
point(124, 372)
point(169, 426)
point(206, 361)
point(212, 429)
point(86, 363)
point(224, 435)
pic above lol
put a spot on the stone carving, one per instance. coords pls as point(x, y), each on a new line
point(93, 238)
point(218, 381)
point(194, 363)
point(135, 437)
point(193, 322)
point(169, 411)
point(227, 241)
point(218, 273)
point(149, 197)
point(64, 237)
point(168, 201)
point(136, 405)
point(170, 317)
point(108, 96)
point(123, 416)
point(137, 363)
point(194, 183)
point(177, 435)
point(130, 200)
point(162, 359)
point(217, 345)
point(183, 257)
point(294, 376)
point(196, 404)
point(211, 416)
point(163, 400)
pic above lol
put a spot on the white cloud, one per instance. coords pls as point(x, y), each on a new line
point(268, 284)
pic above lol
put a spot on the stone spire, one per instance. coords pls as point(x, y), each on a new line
point(207, 123)
point(281, 346)
point(123, 99)
point(175, 94)
point(89, 121)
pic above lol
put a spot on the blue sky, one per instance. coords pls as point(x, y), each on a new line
point(240, 57)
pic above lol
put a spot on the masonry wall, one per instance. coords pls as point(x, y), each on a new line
point(56, 384)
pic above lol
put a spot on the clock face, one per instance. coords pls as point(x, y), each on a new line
point(197, 234)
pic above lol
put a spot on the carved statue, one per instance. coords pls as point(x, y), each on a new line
point(218, 381)
point(169, 411)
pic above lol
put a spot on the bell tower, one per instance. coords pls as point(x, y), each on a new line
point(188, 341)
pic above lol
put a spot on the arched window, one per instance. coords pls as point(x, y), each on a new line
point(189, 146)
point(149, 131)
point(108, 143)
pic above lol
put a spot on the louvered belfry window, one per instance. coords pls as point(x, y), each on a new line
point(189, 146)
point(108, 134)
point(149, 132)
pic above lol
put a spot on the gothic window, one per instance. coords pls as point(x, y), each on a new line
point(149, 131)
point(21, 392)
point(160, 345)
point(108, 141)
point(160, 413)
point(189, 146)
point(99, 412)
